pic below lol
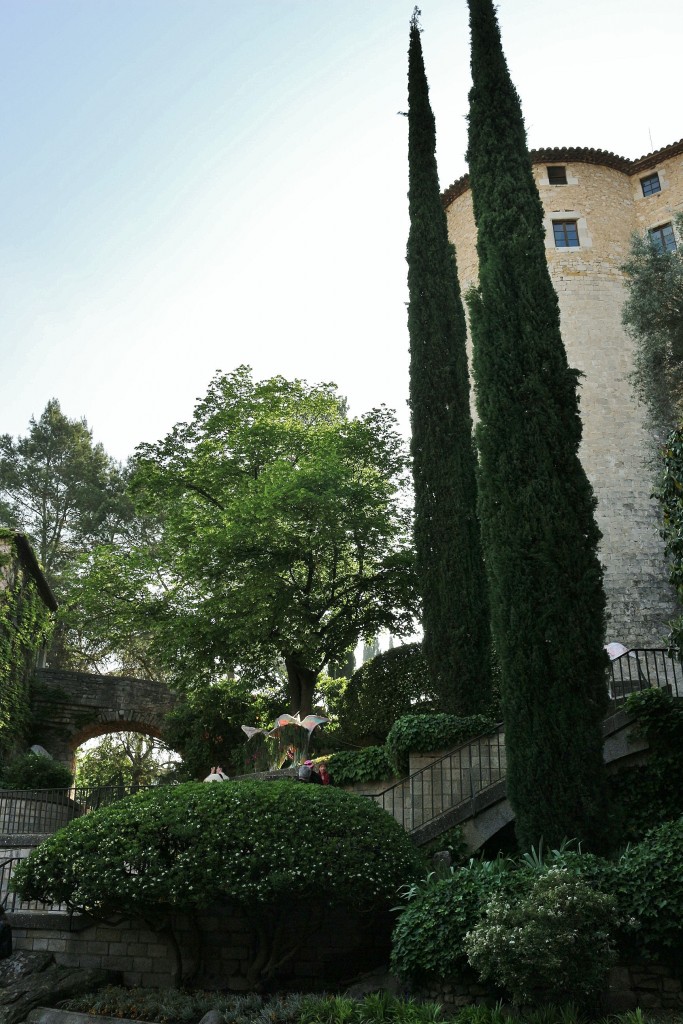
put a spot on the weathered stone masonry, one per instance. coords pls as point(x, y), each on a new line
point(603, 195)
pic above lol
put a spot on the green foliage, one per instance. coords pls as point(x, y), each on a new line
point(670, 496)
point(186, 846)
point(370, 764)
point(653, 316)
point(427, 943)
point(173, 1007)
point(450, 566)
point(536, 504)
point(392, 684)
point(25, 627)
point(650, 889)
point(551, 944)
point(427, 733)
point(35, 771)
point(205, 726)
point(643, 793)
point(453, 841)
point(282, 536)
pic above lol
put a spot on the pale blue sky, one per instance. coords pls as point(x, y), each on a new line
point(187, 185)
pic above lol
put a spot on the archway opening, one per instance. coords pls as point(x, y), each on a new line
point(124, 761)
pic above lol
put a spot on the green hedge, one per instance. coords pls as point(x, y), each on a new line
point(426, 733)
point(35, 771)
point(370, 764)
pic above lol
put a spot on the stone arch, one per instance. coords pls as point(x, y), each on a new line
point(72, 707)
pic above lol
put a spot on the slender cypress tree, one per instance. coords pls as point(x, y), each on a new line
point(536, 503)
point(451, 573)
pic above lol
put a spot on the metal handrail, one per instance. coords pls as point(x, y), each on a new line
point(11, 900)
point(446, 782)
point(644, 668)
point(43, 811)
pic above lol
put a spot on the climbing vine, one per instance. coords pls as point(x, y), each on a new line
point(25, 626)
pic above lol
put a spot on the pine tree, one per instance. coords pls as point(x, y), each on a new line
point(452, 580)
point(536, 504)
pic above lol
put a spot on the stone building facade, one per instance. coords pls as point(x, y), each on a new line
point(594, 201)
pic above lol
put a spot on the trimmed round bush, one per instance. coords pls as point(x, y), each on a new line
point(552, 944)
point(388, 686)
point(259, 845)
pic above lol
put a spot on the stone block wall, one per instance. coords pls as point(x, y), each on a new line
point(219, 943)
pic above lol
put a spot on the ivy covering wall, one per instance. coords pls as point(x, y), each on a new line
point(25, 626)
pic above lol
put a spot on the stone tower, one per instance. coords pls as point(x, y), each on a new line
point(594, 201)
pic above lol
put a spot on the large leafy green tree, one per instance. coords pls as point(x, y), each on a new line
point(284, 535)
point(450, 568)
point(653, 316)
point(536, 503)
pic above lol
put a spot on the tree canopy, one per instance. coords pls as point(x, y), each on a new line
point(283, 534)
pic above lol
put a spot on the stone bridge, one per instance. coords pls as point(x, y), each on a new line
point(72, 707)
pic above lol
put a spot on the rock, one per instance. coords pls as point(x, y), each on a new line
point(213, 1017)
point(379, 980)
point(47, 987)
point(21, 963)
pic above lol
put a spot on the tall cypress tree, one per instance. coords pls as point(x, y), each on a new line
point(455, 614)
point(536, 503)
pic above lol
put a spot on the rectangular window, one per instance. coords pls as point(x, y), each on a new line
point(566, 233)
point(663, 237)
point(557, 175)
point(651, 184)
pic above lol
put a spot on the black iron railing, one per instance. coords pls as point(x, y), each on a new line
point(11, 901)
point(642, 668)
point(43, 811)
point(450, 780)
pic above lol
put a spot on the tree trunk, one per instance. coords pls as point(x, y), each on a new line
point(301, 684)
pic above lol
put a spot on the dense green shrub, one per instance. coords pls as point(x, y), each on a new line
point(390, 685)
point(650, 890)
point(643, 794)
point(553, 943)
point(427, 943)
point(35, 771)
point(247, 843)
point(370, 764)
point(425, 733)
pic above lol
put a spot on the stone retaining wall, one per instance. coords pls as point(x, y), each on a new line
point(218, 943)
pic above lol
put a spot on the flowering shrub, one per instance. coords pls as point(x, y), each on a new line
point(185, 847)
point(552, 944)
point(427, 943)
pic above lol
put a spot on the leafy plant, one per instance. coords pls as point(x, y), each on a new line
point(426, 733)
point(370, 764)
point(35, 771)
point(650, 890)
point(550, 943)
point(427, 942)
